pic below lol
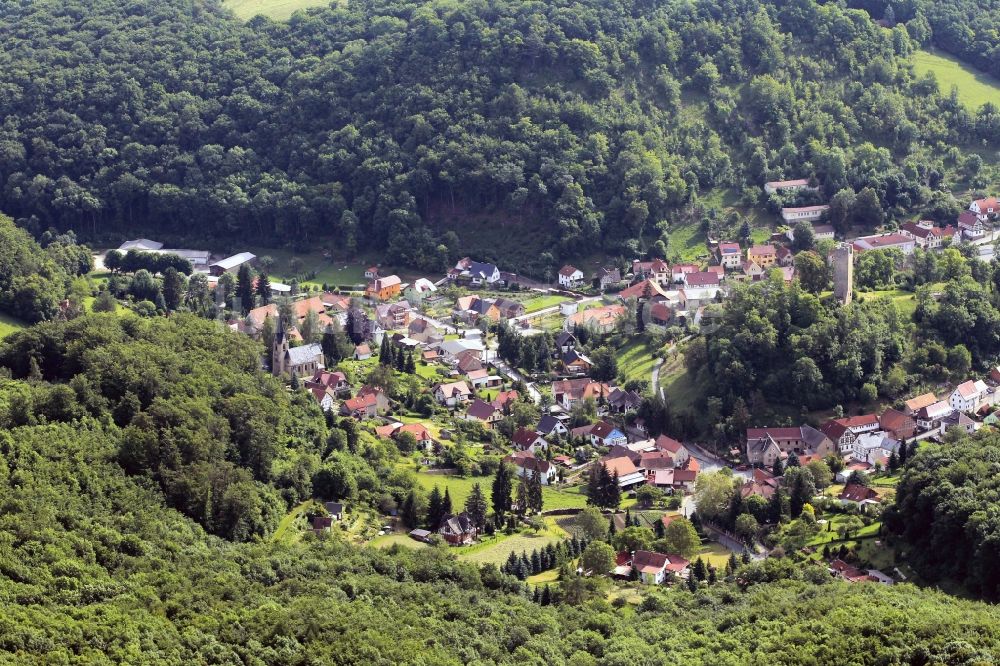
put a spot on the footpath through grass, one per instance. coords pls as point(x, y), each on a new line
point(975, 88)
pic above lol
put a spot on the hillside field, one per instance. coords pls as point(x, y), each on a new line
point(276, 9)
point(975, 88)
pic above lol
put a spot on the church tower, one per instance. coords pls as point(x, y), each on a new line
point(279, 350)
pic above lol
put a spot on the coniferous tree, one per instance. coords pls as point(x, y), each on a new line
point(476, 507)
point(698, 569)
point(536, 562)
point(446, 503)
point(263, 288)
point(435, 509)
point(411, 366)
point(522, 496)
point(408, 513)
point(500, 495)
point(535, 496)
point(244, 288)
point(779, 468)
point(546, 596)
point(385, 356)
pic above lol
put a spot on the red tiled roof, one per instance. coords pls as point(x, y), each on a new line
point(622, 465)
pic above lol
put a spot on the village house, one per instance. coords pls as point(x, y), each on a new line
point(899, 425)
point(600, 320)
point(324, 396)
point(786, 258)
point(475, 272)
point(484, 412)
point(763, 450)
point(654, 568)
point(565, 341)
point(860, 424)
point(570, 392)
point(550, 425)
point(804, 213)
point(608, 277)
point(335, 510)
point(468, 361)
point(983, 208)
point(913, 405)
point(420, 291)
point(483, 379)
point(969, 395)
point(527, 466)
point(842, 436)
point(677, 451)
point(335, 381)
point(775, 186)
point(528, 440)
point(362, 352)
point(385, 288)
point(930, 417)
point(509, 309)
point(970, 225)
point(874, 447)
point(701, 280)
point(367, 404)
point(391, 316)
point(575, 363)
point(622, 402)
point(420, 433)
point(452, 394)
point(925, 234)
point(605, 434)
point(729, 255)
point(570, 276)
point(797, 440)
point(904, 244)
point(764, 256)
point(643, 291)
point(629, 475)
point(858, 495)
point(371, 273)
point(959, 420)
point(458, 530)
point(451, 350)
point(424, 332)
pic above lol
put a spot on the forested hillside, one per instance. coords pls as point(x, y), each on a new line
point(948, 502)
point(97, 565)
point(582, 125)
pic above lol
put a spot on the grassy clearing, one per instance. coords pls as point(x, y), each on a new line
point(906, 301)
point(688, 241)
point(9, 325)
point(975, 88)
point(459, 488)
point(635, 360)
point(288, 531)
point(541, 302)
point(679, 385)
point(714, 554)
point(276, 9)
point(497, 549)
point(389, 540)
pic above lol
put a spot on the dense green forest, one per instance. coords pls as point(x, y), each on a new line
point(948, 502)
point(100, 564)
point(580, 124)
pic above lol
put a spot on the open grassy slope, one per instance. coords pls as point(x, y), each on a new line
point(276, 9)
point(975, 88)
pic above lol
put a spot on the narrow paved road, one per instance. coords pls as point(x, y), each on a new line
point(655, 379)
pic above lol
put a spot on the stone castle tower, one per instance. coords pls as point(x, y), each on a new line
point(843, 273)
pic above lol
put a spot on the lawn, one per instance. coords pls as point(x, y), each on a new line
point(497, 549)
point(688, 241)
point(326, 272)
point(975, 88)
point(541, 302)
point(287, 531)
point(635, 360)
point(276, 9)
point(459, 488)
point(389, 540)
point(10, 325)
point(906, 301)
point(679, 386)
point(714, 554)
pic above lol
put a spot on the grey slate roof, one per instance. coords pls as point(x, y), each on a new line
point(304, 354)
